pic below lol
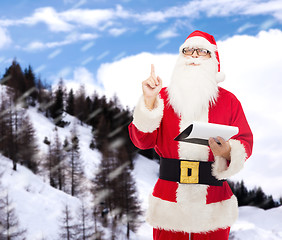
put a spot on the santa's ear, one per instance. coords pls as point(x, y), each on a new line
point(220, 76)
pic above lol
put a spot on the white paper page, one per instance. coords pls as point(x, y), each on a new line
point(204, 130)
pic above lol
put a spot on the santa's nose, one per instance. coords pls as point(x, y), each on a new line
point(195, 54)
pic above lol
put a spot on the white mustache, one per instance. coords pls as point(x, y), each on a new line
point(196, 61)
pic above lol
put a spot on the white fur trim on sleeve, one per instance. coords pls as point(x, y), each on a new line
point(238, 157)
point(146, 120)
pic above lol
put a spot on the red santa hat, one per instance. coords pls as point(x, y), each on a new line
point(199, 39)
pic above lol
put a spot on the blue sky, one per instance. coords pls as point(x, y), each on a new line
point(56, 36)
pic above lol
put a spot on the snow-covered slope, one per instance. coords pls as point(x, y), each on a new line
point(258, 224)
point(44, 127)
point(39, 206)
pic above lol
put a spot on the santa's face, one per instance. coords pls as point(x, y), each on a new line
point(193, 85)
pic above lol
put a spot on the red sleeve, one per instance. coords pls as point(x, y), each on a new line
point(143, 130)
point(245, 135)
point(140, 139)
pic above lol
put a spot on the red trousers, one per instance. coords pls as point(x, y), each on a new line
point(220, 234)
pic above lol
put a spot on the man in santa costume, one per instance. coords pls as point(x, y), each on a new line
point(201, 209)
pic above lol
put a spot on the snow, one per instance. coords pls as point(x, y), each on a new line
point(39, 206)
point(255, 223)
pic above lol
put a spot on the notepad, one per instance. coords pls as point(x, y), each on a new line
point(200, 132)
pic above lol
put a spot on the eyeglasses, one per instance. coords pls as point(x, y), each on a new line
point(200, 51)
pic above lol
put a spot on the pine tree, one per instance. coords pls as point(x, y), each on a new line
point(11, 118)
point(4, 124)
point(69, 229)
point(70, 103)
point(30, 85)
point(55, 162)
point(59, 164)
point(48, 164)
point(75, 170)
point(95, 112)
point(27, 145)
point(45, 99)
point(85, 227)
point(129, 203)
point(15, 80)
point(80, 104)
point(57, 108)
point(9, 223)
point(254, 197)
point(102, 189)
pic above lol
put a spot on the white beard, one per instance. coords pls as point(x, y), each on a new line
point(193, 88)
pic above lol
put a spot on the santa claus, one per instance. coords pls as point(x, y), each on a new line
point(195, 210)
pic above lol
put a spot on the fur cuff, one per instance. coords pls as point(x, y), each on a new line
point(146, 120)
point(221, 170)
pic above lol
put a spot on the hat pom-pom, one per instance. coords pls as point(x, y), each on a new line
point(220, 76)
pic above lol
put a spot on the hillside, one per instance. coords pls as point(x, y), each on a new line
point(40, 207)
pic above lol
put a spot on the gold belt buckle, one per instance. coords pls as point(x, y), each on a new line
point(194, 177)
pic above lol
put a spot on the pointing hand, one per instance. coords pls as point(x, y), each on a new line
point(151, 88)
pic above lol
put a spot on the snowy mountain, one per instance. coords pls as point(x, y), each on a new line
point(39, 206)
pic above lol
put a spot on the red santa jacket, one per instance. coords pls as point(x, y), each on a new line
point(192, 207)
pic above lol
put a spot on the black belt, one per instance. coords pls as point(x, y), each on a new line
point(188, 171)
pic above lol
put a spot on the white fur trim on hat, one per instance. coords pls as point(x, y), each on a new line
point(146, 120)
point(199, 42)
point(238, 157)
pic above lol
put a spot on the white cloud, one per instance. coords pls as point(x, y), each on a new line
point(63, 74)
point(95, 18)
point(162, 44)
point(80, 3)
point(87, 46)
point(124, 77)
point(102, 19)
point(168, 33)
point(40, 68)
point(103, 54)
point(71, 38)
point(80, 76)
point(267, 24)
point(253, 73)
point(151, 29)
point(5, 39)
point(47, 15)
point(245, 27)
point(35, 45)
point(263, 7)
point(119, 56)
point(54, 53)
point(117, 31)
point(87, 60)
point(193, 9)
point(66, 21)
point(88, 17)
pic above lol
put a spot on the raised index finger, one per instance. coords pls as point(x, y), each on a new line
point(153, 70)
